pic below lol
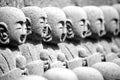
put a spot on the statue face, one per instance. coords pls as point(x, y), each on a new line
point(47, 33)
point(44, 28)
point(81, 25)
point(117, 7)
point(39, 24)
point(18, 31)
point(111, 19)
point(57, 21)
point(15, 27)
point(62, 29)
point(115, 26)
point(78, 24)
point(96, 19)
point(100, 28)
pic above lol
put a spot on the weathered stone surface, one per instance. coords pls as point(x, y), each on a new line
point(35, 67)
point(43, 3)
point(57, 3)
point(109, 70)
point(74, 63)
point(12, 75)
point(15, 3)
point(95, 58)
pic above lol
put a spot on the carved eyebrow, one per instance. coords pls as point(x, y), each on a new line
point(83, 20)
point(115, 20)
point(20, 22)
point(43, 18)
point(100, 19)
point(62, 22)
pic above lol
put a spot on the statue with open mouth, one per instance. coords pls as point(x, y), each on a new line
point(91, 43)
point(55, 35)
point(96, 25)
point(77, 46)
point(38, 29)
point(116, 39)
point(12, 34)
point(112, 29)
point(77, 29)
point(76, 24)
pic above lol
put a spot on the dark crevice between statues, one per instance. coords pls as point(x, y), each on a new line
point(10, 46)
point(34, 38)
point(49, 45)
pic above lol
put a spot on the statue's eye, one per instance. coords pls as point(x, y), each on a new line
point(62, 22)
point(82, 22)
point(20, 22)
point(60, 26)
point(116, 20)
point(19, 28)
point(101, 20)
point(42, 19)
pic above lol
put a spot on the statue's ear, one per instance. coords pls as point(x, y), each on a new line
point(4, 38)
point(88, 24)
point(69, 22)
point(28, 25)
point(89, 33)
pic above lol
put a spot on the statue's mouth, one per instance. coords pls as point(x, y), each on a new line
point(101, 33)
point(83, 34)
point(116, 31)
point(63, 37)
point(88, 33)
point(22, 38)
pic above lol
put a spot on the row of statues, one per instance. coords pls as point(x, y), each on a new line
point(50, 43)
